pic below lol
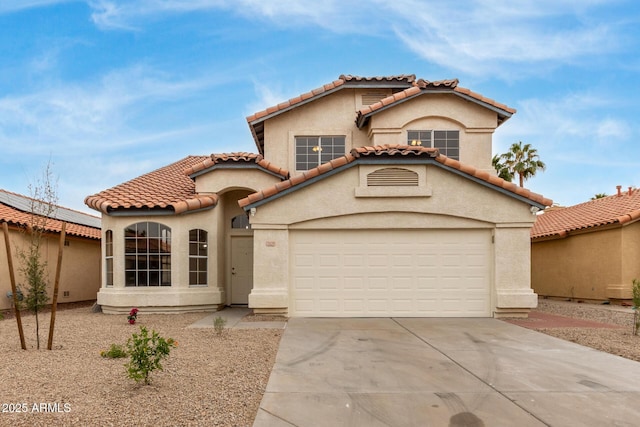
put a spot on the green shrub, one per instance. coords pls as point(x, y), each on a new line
point(219, 324)
point(116, 351)
point(145, 354)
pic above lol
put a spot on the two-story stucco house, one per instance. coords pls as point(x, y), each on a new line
point(367, 197)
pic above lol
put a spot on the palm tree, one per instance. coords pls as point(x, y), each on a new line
point(522, 160)
point(599, 196)
point(501, 168)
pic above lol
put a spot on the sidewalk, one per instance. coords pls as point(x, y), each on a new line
point(234, 320)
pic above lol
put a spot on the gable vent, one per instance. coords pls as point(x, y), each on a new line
point(373, 97)
point(392, 177)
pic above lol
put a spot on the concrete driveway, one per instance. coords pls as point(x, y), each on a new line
point(443, 372)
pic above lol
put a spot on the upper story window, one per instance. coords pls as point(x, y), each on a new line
point(108, 256)
point(147, 254)
point(198, 256)
point(447, 141)
point(312, 151)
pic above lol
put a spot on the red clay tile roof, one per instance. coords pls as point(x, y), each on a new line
point(20, 218)
point(165, 188)
point(559, 223)
point(407, 81)
point(393, 150)
point(422, 87)
point(321, 91)
point(237, 158)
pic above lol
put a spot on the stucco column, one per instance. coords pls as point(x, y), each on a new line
point(270, 293)
point(512, 269)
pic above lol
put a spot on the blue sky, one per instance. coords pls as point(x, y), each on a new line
point(108, 89)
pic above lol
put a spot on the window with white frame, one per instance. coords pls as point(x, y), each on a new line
point(446, 141)
point(198, 257)
point(108, 257)
point(312, 151)
point(147, 254)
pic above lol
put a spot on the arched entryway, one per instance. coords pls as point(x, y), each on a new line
point(239, 249)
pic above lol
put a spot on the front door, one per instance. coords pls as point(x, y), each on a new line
point(241, 269)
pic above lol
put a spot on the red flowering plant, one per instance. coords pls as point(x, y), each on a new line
point(133, 316)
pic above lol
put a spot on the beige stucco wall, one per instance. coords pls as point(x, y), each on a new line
point(179, 296)
point(455, 202)
point(592, 266)
point(335, 114)
point(79, 276)
point(630, 257)
point(442, 112)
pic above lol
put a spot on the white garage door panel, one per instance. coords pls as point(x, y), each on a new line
point(424, 273)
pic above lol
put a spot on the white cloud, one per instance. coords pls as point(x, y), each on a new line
point(487, 36)
point(611, 130)
point(268, 95)
point(478, 37)
point(331, 14)
point(79, 115)
point(560, 120)
point(10, 6)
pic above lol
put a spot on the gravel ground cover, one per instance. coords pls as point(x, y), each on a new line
point(620, 342)
point(209, 379)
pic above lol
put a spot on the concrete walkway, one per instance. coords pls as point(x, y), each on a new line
point(443, 372)
point(234, 319)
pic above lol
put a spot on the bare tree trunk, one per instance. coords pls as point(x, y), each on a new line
point(56, 285)
point(5, 228)
point(37, 331)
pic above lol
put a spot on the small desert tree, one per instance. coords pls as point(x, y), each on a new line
point(42, 207)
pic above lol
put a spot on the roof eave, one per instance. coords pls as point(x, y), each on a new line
point(503, 115)
point(259, 142)
point(563, 234)
point(238, 165)
point(363, 119)
point(393, 160)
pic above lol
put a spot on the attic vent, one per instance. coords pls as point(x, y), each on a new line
point(392, 177)
point(373, 97)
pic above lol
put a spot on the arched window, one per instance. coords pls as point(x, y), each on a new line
point(240, 221)
point(198, 256)
point(147, 254)
point(108, 256)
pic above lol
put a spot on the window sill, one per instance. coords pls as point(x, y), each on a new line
point(393, 192)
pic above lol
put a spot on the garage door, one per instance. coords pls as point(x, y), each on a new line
point(403, 273)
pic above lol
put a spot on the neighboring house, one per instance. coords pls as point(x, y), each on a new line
point(80, 272)
point(391, 208)
point(589, 251)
